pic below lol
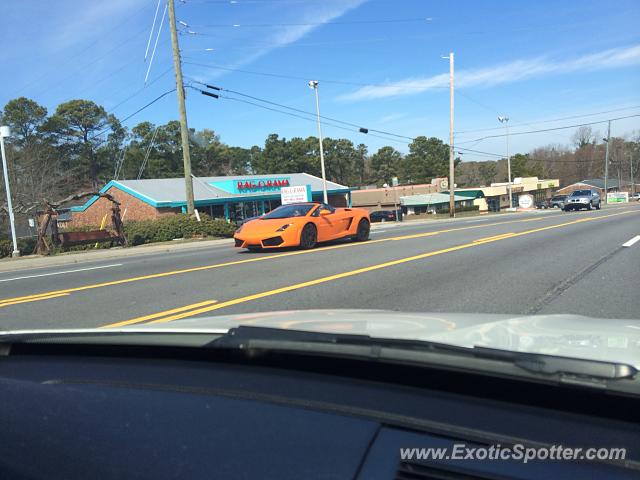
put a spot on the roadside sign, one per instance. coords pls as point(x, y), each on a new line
point(525, 201)
point(618, 197)
point(394, 182)
point(300, 193)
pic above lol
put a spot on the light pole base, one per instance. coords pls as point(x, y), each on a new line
point(15, 254)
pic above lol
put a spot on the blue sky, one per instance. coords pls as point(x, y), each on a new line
point(378, 61)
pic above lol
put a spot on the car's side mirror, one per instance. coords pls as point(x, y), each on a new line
point(324, 212)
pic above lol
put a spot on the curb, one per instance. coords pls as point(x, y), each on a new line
point(36, 261)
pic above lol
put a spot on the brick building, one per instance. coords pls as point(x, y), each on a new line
point(232, 198)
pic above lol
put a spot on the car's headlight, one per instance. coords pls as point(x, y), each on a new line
point(283, 227)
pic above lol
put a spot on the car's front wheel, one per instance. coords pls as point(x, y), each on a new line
point(308, 237)
point(598, 206)
point(362, 234)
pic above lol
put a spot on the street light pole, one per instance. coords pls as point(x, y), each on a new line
point(606, 164)
point(505, 120)
point(313, 84)
point(5, 132)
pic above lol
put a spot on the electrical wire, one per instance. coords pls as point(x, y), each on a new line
point(551, 129)
point(328, 124)
point(147, 154)
point(312, 24)
point(135, 113)
point(314, 115)
point(552, 120)
point(292, 77)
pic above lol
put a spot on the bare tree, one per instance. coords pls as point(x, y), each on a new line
point(584, 136)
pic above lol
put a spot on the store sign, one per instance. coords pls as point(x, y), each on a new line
point(300, 193)
point(525, 201)
point(618, 197)
point(259, 185)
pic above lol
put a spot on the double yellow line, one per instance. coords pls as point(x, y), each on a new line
point(191, 310)
point(58, 293)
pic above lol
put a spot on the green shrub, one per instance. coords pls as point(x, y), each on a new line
point(25, 245)
point(167, 228)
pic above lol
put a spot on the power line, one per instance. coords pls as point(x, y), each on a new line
point(554, 119)
point(359, 127)
point(138, 92)
point(551, 129)
point(135, 113)
point(304, 118)
point(83, 51)
point(293, 77)
point(313, 24)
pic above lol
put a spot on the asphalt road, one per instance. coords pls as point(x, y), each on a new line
point(526, 263)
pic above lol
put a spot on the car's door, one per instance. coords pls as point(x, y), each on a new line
point(330, 225)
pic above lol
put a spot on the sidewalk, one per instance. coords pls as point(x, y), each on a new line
point(70, 258)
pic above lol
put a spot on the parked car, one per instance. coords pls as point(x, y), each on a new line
point(557, 201)
point(635, 196)
point(383, 216)
point(582, 199)
point(542, 204)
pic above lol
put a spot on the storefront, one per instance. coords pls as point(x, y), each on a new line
point(233, 198)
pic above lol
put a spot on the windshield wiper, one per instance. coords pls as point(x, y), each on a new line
point(418, 352)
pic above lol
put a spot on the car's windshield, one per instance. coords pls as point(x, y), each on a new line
point(581, 193)
point(287, 211)
point(459, 166)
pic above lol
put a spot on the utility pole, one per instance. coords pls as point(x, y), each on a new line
point(505, 120)
point(313, 84)
point(606, 164)
point(633, 185)
point(184, 129)
point(452, 194)
point(5, 132)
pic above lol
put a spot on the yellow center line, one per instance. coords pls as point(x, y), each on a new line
point(351, 273)
point(45, 297)
point(38, 296)
point(165, 313)
point(495, 237)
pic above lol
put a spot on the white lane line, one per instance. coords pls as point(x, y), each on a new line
point(60, 273)
point(632, 241)
point(377, 231)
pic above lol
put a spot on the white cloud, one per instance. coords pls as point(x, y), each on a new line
point(321, 13)
point(392, 117)
point(85, 19)
point(501, 74)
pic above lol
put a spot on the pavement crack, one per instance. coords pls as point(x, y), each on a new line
point(564, 285)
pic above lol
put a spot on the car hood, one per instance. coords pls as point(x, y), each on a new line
point(613, 340)
point(267, 225)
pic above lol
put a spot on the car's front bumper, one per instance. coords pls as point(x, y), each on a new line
point(576, 205)
point(272, 240)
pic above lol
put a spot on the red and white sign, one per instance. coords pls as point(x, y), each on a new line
point(295, 194)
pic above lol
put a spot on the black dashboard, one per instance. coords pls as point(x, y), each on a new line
point(96, 412)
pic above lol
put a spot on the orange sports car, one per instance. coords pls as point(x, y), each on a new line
point(303, 225)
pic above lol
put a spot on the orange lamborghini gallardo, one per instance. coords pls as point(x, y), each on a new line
point(303, 225)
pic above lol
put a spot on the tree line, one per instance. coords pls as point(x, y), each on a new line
point(81, 146)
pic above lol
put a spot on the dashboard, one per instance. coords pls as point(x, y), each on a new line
point(123, 412)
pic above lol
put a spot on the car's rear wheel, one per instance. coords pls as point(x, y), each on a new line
point(308, 237)
point(362, 234)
